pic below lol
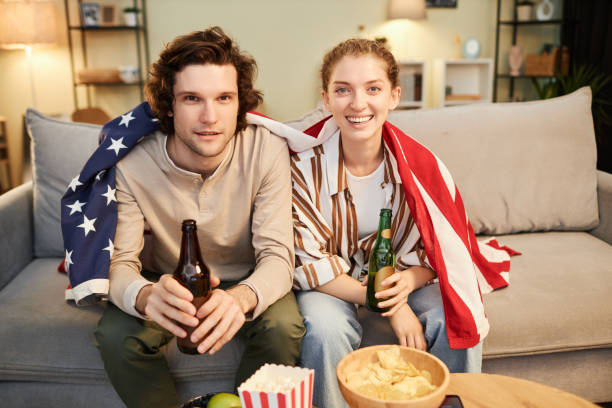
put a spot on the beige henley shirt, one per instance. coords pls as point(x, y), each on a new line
point(242, 210)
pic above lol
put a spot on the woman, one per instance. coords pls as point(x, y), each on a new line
point(338, 191)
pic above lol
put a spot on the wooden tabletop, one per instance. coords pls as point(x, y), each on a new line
point(500, 391)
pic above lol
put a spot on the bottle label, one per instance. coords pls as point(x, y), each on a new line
point(382, 274)
point(386, 233)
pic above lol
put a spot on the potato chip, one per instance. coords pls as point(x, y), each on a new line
point(427, 375)
point(391, 378)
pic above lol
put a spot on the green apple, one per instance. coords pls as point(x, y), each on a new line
point(224, 400)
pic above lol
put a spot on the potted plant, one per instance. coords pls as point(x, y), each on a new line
point(523, 10)
point(130, 16)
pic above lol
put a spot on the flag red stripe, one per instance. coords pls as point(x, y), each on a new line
point(260, 114)
point(493, 243)
point(421, 158)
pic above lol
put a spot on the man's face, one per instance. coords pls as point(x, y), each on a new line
point(205, 111)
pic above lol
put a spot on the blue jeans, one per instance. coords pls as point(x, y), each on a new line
point(333, 331)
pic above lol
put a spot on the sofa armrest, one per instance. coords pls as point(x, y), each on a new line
point(604, 200)
point(16, 231)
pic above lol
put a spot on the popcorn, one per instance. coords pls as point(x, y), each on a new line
point(278, 386)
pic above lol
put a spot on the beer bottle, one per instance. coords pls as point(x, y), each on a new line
point(192, 273)
point(382, 261)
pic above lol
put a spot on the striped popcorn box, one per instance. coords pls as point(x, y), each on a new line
point(278, 386)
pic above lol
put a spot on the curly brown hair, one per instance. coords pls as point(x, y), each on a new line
point(211, 46)
point(357, 47)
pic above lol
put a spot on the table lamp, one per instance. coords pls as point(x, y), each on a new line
point(411, 9)
point(27, 23)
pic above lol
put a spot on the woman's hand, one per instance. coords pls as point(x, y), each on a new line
point(400, 284)
point(408, 328)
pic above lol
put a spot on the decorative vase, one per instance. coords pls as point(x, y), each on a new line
point(515, 60)
point(523, 12)
point(130, 18)
point(545, 10)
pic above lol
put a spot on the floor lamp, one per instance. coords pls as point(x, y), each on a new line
point(27, 23)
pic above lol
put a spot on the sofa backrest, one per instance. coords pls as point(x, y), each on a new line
point(59, 152)
point(527, 166)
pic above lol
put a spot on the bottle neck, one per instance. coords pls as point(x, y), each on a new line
point(189, 245)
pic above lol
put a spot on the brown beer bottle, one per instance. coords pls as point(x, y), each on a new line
point(192, 273)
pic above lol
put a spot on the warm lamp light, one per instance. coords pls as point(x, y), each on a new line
point(412, 9)
point(27, 23)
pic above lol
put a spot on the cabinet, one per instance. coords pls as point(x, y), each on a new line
point(81, 35)
point(560, 33)
point(462, 81)
point(412, 80)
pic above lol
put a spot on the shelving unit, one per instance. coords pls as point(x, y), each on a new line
point(468, 80)
point(79, 36)
point(5, 171)
point(565, 38)
point(412, 80)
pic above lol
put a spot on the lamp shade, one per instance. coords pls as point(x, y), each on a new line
point(27, 22)
point(412, 9)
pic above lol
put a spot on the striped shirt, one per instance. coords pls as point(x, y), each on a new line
point(325, 221)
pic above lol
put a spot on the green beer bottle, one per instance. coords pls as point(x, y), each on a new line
point(382, 261)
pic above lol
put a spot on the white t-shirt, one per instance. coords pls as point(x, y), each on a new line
point(368, 197)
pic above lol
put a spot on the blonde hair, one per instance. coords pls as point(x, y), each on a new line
point(357, 47)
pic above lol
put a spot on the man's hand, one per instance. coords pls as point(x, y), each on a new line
point(222, 316)
point(408, 328)
point(167, 301)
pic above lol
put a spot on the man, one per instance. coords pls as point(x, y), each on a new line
point(206, 164)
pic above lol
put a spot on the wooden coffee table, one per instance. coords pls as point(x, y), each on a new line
point(500, 391)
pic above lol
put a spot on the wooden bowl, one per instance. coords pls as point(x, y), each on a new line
point(358, 359)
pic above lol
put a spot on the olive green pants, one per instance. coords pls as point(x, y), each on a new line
point(130, 349)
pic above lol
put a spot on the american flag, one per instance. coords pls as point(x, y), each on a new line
point(89, 207)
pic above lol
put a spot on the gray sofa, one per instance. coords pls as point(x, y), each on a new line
point(527, 175)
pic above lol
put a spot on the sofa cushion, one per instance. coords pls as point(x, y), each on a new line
point(59, 151)
point(527, 166)
point(52, 341)
point(558, 298)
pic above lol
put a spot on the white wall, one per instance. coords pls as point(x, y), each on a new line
point(287, 37)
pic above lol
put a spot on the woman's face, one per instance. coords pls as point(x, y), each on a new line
point(359, 96)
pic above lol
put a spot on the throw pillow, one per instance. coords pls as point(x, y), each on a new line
point(59, 152)
point(528, 166)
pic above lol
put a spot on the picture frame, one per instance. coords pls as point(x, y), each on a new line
point(441, 3)
point(108, 15)
point(90, 14)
